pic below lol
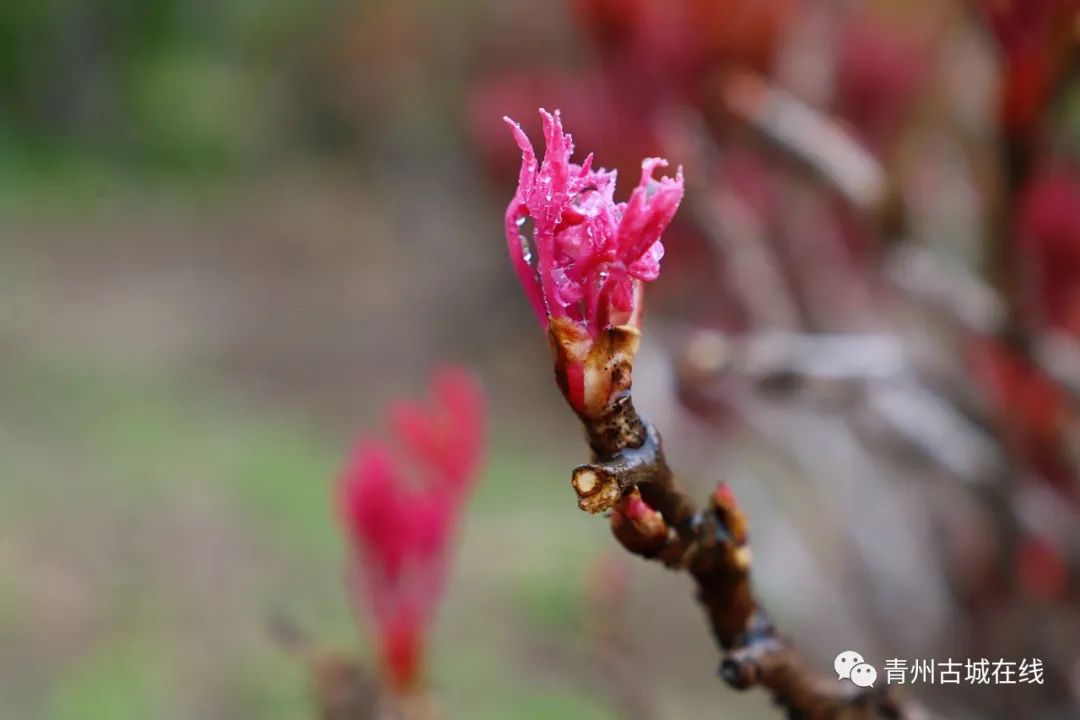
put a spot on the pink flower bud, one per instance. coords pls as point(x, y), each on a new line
point(585, 260)
point(587, 254)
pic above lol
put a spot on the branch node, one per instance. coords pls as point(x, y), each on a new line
point(597, 488)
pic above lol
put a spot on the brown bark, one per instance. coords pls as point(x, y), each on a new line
point(711, 544)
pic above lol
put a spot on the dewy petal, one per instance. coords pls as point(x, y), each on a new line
point(515, 245)
point(516, 212)
point(559, 148)
point(569, 292)
point(622, 293)
point(546, 194)
point(527, 174)
point(591, 252)
point(649, 211)
point(647, 267)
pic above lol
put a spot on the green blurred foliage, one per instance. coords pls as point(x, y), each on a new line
point(122, 681)
point(170, 82)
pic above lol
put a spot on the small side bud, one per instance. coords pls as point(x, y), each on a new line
point(639, 528)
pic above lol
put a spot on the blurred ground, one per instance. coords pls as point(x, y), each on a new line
point(181, 377)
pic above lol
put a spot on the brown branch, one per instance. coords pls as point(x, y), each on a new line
point(711, 544)
point(343, 688)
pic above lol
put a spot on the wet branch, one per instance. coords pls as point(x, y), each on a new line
point(654, 518)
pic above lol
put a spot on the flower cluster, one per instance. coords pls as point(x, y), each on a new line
point(585, 261)
point(399, 503)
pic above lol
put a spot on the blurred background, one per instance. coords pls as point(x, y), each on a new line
point(231, 231)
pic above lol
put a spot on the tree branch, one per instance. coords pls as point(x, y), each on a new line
point(654, 518)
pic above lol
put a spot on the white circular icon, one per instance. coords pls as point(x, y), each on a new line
point(845, 661)
point(864, 675)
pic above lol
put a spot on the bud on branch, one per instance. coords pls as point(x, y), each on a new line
point(583, 270)
point(586, 258)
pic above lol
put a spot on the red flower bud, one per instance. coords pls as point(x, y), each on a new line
point(591, 253)
point(399, 504)
point(584, 263)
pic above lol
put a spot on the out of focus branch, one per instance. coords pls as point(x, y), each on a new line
point(810, 356)
point(949, 290)
point(808, 136)
point(1058, 355)
point(945, 288)
point(340, 686)
point(875, 370)
point(736, 235)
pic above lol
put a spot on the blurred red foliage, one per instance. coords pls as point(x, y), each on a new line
point(1034, 37)
point(1048, 233)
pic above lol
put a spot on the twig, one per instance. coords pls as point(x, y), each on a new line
point(340, 686)
point(711, 544)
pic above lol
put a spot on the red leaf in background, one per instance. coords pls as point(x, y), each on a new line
point(1031, 411)
point(1048, 231)
point(878, 69)
point(1042, 571)
point(1034, 37)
